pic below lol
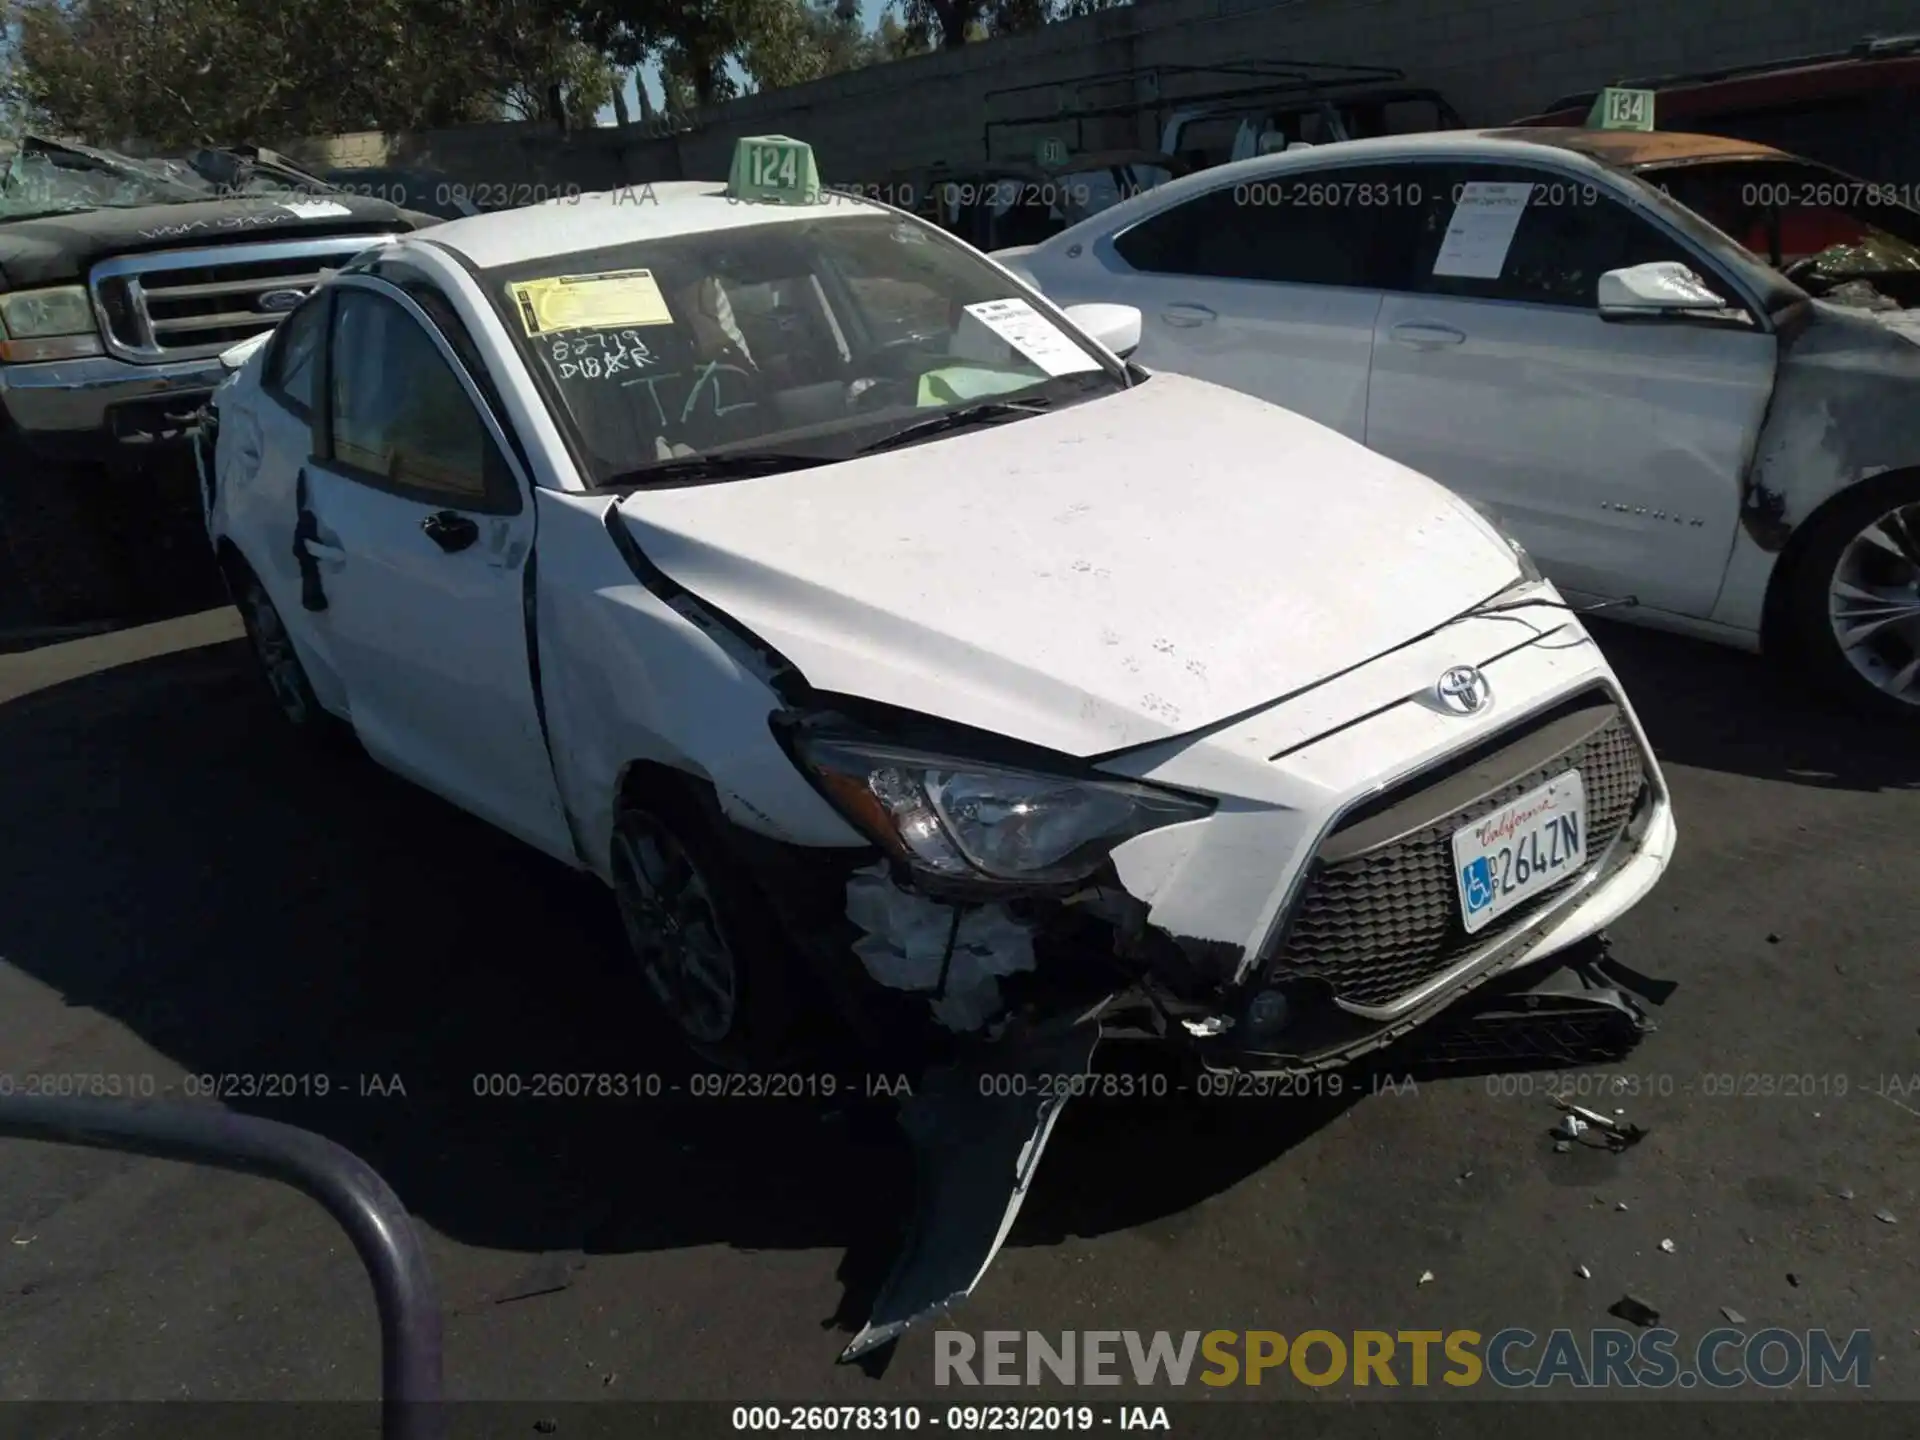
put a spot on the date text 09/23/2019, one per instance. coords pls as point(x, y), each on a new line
point(953, 1419)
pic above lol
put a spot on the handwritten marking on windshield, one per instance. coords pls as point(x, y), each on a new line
point(710, 378)
point(600, 355)
point(706, 382)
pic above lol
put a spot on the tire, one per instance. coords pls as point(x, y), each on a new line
point(704, 943)
point(65, 567)
point(1860, 563)
point(280, 663)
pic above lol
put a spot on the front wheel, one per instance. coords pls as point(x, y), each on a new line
point(706, 946)
point(1853, 599)
point(279, 662)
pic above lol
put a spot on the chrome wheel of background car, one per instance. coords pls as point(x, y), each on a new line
point(673, 928)
point(1874, 603)
point(278, 659)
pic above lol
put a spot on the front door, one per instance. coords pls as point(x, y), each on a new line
point(1613, 452)
point(420, 531)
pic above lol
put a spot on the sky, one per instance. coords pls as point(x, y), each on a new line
point(649, 75)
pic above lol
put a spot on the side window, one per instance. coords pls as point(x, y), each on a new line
point(1350, 227)
point(293, 369)
point(399, 415)
point(1511, 233)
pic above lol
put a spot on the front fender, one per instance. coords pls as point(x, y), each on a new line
point(626, 676)
point(1845, 408)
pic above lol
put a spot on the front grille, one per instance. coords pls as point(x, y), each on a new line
point(188, 304)
point(1376, 924)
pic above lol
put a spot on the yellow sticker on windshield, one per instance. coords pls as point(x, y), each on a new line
point(590, 302)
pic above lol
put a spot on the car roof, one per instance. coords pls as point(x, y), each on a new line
point(571, 224)
point(1585, 149)
point(1631, 149)
point(1429, 144)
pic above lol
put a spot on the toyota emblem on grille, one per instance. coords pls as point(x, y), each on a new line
point(278, 302)
point(1463, 690)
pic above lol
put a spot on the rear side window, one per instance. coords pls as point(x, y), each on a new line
point(293, 368)
point(1496, 232)
point(1327, 227)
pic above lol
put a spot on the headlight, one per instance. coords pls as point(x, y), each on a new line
point(963, 819)
point(37, 314)
point(55, 324)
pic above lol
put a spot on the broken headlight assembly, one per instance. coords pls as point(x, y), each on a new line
point(51, 324)
point(961, 819)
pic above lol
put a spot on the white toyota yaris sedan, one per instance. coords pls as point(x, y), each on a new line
point(878, 634)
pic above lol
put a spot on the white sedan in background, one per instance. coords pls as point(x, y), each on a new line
point(1726, 442)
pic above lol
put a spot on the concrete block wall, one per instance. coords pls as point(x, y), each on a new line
point(1494, 59)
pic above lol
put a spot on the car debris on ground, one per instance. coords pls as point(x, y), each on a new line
point(1634, 1311)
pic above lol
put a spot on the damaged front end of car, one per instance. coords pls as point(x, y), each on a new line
point(986, 946)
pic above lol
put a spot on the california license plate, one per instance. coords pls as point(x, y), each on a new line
point(1502, 859)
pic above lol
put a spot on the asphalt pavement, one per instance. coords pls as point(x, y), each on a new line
point(189, 891)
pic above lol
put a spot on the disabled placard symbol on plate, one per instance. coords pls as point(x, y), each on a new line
point(1479, 884)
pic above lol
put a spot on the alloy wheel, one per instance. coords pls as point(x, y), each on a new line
point(672, 926)
point(277, 656)
point(1874, 603)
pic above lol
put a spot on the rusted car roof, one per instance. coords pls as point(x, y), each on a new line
point(1631, 149)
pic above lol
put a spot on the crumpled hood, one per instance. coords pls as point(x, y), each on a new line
point(1115, 573)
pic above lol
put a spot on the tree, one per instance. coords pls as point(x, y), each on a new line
point(793, 41)
point(231, 71)
point(955, 22)
point(692, 40)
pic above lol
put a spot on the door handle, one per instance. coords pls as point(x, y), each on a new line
point(1427, 337)
point(313, 595)
point(320, 550)
point(1187, 316)
point(450, 530)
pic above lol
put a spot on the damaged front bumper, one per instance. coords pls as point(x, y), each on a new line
point(1312, 921)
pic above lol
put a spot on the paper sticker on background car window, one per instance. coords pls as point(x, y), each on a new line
point(316, 209)
point(590, 302)
point(1033, 335)
point(1485, 216)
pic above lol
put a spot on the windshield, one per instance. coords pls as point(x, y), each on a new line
point(816, 339)
point(1820, 226)
point(49, 177)
point(46, 178)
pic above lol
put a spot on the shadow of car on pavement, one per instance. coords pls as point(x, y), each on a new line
point(248, 905)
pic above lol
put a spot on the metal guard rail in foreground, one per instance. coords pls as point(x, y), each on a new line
point(363, 1204)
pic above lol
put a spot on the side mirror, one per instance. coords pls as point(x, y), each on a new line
point(1663, 290)
point(1115, 326)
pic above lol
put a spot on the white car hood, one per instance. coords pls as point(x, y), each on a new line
point(1115, 573)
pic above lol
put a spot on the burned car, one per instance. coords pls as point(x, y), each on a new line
point(882, 637)
point(121, 282)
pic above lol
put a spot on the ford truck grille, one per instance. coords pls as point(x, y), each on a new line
point(189, 304)
point(1380, 912)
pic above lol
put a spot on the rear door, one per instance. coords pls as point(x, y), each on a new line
point(1270, 287)
point(418, 525)
point(265, 440)
point(1614, 452)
